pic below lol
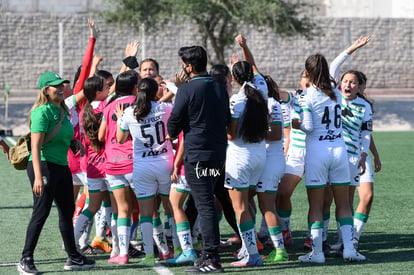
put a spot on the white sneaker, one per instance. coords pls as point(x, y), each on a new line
point(312, 257)
point(351, 255)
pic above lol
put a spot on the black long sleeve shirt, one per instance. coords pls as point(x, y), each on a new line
point(201, 110)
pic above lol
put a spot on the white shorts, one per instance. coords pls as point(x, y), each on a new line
point(353, 161)
point(182, 185)
point(151, 178)
point(295, 161)
point(326, 164)
point(244, 167)
point(98, 185)
point(119, 181)
point(79, 178)
point(368, 176)
point(272, 173)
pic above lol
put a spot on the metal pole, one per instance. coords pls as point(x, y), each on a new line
point(61, 48)
point(143, 50)
point(276, 60)
point(349, 43)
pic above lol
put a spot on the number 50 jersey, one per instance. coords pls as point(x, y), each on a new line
point(149, 133)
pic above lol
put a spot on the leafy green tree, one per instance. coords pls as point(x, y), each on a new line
point(218, 21)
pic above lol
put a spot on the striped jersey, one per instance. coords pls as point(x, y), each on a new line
point(356, 124)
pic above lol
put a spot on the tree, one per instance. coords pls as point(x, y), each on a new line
point(217, 20)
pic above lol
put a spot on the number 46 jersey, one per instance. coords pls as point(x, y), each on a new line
point(149, 133)
point(321, 117)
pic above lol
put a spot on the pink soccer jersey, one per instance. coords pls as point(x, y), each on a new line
point(119, 160)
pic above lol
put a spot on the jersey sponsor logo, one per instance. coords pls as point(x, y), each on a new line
point(330, 136)
point(120, 158)
point(154, 153)
point(96, 160)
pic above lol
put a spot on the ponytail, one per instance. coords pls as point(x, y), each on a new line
point(91, 121)
point(318, 70)
point(147, 89)
point(254, 120)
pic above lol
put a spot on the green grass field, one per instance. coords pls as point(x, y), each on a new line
point(388, 240)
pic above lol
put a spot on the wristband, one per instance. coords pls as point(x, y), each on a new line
point(131, 62)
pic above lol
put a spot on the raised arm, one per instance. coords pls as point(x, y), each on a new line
point(340, 59)
point(247, 55)
point(87, 58)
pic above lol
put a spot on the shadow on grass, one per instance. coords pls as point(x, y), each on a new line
point(378, 247)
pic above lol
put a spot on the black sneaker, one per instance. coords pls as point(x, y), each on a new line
point(26, 266)
point(203, 265)
point(79, 263)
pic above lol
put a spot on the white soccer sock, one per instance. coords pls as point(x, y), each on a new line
point(184, 236)
point(316, 238)
point(159, 236)
point(124, 230)
point(146, 234)
point(114, 231)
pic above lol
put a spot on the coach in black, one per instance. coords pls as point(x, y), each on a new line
point(201, 110)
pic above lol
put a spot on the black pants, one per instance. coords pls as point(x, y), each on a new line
point(59, 188)
point(222, 195)
point(201, 177)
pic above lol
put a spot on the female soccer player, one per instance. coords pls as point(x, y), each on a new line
point(246, 154)
point(146, 121)
point(118, 165)
point(326, 159)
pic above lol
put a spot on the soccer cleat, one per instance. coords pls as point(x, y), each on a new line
point(240, 254)
point(117, 259)
point(79, 263)
point(185, 258)
point(277, 255)
point(89, 250)
point(312, 257)
point(166, 256)
point(27, 266)
point(135, 253)
point(235, 240)
point(351, 255)
point(287, 237)
point(205, 266)
point(307, 245)
point(101, 244)
point(251, 260)
point(148, 261)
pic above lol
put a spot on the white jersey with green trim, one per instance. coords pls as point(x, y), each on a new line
point(297, 136)
point(276, 118)
point(321, 118)
point(356, 124)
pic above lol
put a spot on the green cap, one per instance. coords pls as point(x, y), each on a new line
point(50, 79)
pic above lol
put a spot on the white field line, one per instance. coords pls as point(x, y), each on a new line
point(162, 270)
point(12, 141)
point(8, 264)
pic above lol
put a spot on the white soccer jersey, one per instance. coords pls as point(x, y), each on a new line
point(321, 117)
point(149, 133)
point(326, 158)
point(357, 125)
